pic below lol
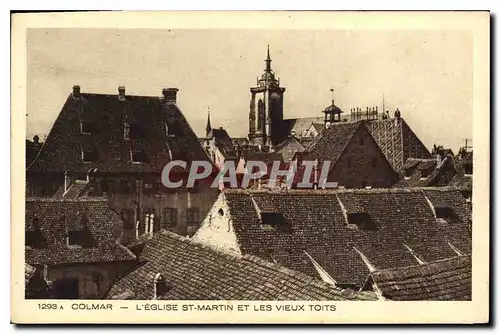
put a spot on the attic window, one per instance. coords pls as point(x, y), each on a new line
point(424, 173)
point(445, 214)
point(74, 239)
point(138, 157)
point(173, 129)
point(361, 141)
point(362, 220)
point(274, 221)
point(134, 131)
point(126, 131)
point(89, 155)
point(86, 127)
point(161, 287)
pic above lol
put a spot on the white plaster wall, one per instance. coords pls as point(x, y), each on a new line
point(217, 230)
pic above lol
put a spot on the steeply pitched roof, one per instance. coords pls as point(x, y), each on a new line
point(397, 141)
point(197, 272)
point(105, 116)
point(448, 279)
point(330, 144)
point(317, 223)
point(441, 174)
point(50, 219)
point(223, 142)
point(267, 157)
point(299, 125)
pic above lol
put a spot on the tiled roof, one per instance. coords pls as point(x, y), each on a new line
point(319, 126)
point(397, 141)
point(330, 144)
point(197, 272)
point(29, 272)
point(267, 157)
point(106, 115)
point(448, 279)
point(223, 142)
point(316, 224)
point(75, 190)
point(441, 174)
point(299, 125)
point(240, 141)
point(49, 219)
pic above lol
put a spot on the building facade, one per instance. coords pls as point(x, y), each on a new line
point(116, 146)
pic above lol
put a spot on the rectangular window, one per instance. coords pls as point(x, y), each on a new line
point(169, 217)
point(192, 216)
point(274, 221)
point(138, 157)
point(446, 214)
point(362, 220)
point(126, 131)
point(89, 156)
point(425, 173)
point(74, 239)
point(86, 127)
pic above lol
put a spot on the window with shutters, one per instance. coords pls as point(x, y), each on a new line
point(192, 216)
point(169, 217)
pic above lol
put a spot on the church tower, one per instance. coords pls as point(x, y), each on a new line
point(266, 109)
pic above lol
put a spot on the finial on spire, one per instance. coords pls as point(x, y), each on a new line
point(333, 95)
point(209, 126)
point(268, 60)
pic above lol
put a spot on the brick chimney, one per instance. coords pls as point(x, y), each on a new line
point(121, 93)
point(76, 91)
point(170, 94)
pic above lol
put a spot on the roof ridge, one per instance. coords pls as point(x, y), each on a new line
point(62, 199)
point(339, 191)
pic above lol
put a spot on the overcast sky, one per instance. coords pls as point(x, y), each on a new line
point(427, 74)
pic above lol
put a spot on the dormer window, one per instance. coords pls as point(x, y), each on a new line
point(445, 214)
point(126, 131)
point(274, 221)
point(89, 155)
point(86, 127)
point(138, 157)
point(160, 286)
point(425, 173)
point(361, 220)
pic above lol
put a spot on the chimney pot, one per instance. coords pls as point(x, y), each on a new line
point(121, 92)
point(76, 91)
point(36, 139)
point(170, 94)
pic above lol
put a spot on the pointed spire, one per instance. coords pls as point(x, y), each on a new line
point(268, 60)
point(209, 127)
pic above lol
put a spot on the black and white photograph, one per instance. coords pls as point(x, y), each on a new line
point(252, 164)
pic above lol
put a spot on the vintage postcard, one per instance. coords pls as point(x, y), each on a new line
point(250, 167)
